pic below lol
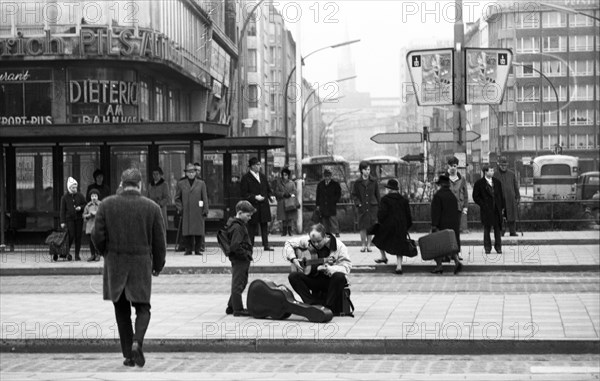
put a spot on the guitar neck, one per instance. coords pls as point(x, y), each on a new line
point(316, 261)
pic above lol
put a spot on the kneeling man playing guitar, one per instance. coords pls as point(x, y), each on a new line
point(320, 263)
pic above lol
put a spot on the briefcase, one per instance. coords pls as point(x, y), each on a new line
point(439, 244)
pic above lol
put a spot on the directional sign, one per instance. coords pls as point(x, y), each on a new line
point(448, 136)
point(432, 75)
point(397, 138)
point(486, 74)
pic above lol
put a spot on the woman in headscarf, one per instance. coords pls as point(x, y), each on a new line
point(285, 189)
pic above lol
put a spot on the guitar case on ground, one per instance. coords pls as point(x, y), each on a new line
point(267, 299)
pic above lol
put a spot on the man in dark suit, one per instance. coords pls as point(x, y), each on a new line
point(328, 195)
point(487, 193)
point(255, 188)
point(129, 232)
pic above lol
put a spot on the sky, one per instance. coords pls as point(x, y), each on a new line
point(384, 28)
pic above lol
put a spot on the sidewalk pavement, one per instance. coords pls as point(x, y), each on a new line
point(534, 251)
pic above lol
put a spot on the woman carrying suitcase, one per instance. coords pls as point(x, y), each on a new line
point(444, 207)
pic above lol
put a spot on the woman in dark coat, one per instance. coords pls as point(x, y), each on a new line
point(285, 189)
point(72, 205)
point(365, 193)
point(394, 221)
point(444, 207)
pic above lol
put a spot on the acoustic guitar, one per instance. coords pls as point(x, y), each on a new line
point(310, 261)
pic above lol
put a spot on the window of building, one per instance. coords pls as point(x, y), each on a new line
point(582, 92)
point(159, 102)
point(550, 96)
point(549, 117)
point(580, 21)
point(581, 43)
point(173, 105)
point(34, 188)
point(555, 44)
point(253, 96)
point(554, 19)
point(528, 45)
point(582, 67)
point(527, 20)
point(526, 118)
point(507, 20)
point(528, 94)
point(527, 69)
point(553, 68)
point(252, 60)
point(28, 93)
point(581, 117)
point(252, 27)
point(144, 100)
point(527, 142)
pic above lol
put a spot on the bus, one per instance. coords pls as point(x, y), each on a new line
point(390, 167)
point(555, 177)
point(312, 173)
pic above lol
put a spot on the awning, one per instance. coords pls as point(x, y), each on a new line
point(245, 143)
point(155, 131)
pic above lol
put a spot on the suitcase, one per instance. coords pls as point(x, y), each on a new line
point(439, 244)
point(267, 299)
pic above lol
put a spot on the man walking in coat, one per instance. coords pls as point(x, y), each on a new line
point(510, 190)
point(129, 232)
point(191, 201)
point(487, 193)
point(458, 186)
point(328, 195)
point(255, 188)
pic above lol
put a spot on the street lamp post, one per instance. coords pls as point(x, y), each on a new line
point(557, 148)
point(287, 84)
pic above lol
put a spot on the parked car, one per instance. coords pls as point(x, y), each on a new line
point(588, 184)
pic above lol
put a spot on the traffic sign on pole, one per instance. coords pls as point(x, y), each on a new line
point(486, 74)
point(448, 136)
point(397, 137)
point(432, 75)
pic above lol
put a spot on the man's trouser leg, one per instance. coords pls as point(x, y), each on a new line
point(239, 281)
point(487, 242)
point(305, 286)
point(123, 315)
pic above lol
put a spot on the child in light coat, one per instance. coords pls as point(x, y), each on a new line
point(89, 215)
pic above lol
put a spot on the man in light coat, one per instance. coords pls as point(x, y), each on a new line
point(129, 232)
point(191, 201)
point(510, 190)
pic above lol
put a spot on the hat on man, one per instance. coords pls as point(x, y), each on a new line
point(326, 172)
point(392, 184)
point(252, 161)
point(443, 179)
point(70, 182)
point(190, 167)
point(502, 160)
point(131, 176)
point(244, 207)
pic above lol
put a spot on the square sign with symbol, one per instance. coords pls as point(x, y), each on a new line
point(416, 61)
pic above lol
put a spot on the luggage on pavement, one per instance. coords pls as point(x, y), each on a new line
point(58, 242)
point(439, 244)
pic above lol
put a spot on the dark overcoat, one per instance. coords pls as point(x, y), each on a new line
point(187, 200)
point(327, 197)
point(444, 210)
point(129, 232)
point(68, 203)
point(365, 194)
point(510, 191)
point(394, 221)
point(490, 201)
point(249, 188)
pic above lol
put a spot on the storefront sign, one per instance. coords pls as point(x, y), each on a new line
point(104, 41)
point(18, 120)
point(8, 77)
point(103, 91)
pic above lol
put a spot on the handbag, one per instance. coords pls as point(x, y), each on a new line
point(412, 246)
point(291, 204)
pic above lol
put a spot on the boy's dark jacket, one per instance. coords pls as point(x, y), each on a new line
point(239, 240)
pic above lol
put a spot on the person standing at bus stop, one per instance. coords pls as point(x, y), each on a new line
point(458, 186)
point(329, 193)
point(487, 193)
point(365, 194)
point(510, 190)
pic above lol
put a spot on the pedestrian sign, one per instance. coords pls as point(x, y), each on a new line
point(486, 75)
point(432, 76)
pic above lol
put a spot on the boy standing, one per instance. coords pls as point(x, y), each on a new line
point(240, 255)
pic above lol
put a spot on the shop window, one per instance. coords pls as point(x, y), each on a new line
point(80, 163)
point(172, 160)
point(26, 96)
point(35, 182)
point(123, 157)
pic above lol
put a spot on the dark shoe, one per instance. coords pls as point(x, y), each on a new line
point(399, 270)
point(243, 312)
point(437, 270)
point(179, 248)
point(187, 253)
point(363, 249)
point(380, 260)
point(268, 248)
point(337, 235)
point(138, 355)
point(514, 235)
point(283, 233)
point(77, 258)
point(92, 259)
point(499, 251)
point(128, 362)
point(197, 253)
point(202, 249)
point(457, 268)
point(97, 258)
point(229, 310)
point(369, 249)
